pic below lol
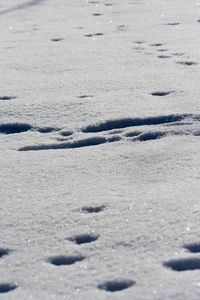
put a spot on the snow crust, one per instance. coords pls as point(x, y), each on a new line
point(100, 161)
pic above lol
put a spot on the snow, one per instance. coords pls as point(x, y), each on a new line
point(100, 160)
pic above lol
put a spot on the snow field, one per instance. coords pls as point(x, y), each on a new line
point(100, 150)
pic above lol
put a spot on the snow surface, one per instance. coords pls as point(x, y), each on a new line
point(100, 139)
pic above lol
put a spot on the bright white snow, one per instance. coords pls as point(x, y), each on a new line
point(100, 139)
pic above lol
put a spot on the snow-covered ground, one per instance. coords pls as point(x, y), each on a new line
point(100, 149)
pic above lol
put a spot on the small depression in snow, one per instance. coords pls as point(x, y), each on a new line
point(194, 247)
point(7, 287)
point(93, 209)
point(4, 252)
point(185, 264)
point(84, 238)
point(116, 285)
point(61, 260)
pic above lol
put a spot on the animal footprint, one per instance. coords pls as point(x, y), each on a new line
point(46, 129)
point(96, 34)
point(67, 145)
point(133, 133)
point(85, 96)
point(7, 287)
point(128, 122)
point(161, 94)
point(116, 285)
point(194, 248)
point(11, 128)
point(164, 56)
point(108, 129)
point(61, 260)
point(187, 63)
point(93, 209)
point(147, 136)
point(84, 238)
point(57, 40)
point(7, 98)
point(66, 133)
point(4, 252)
point(186, 264)
point(156, 45)
point(172, 24)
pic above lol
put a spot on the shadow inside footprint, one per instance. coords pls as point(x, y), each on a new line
point(164, 56)
point(187, 63)
point(161, 94)
point(7, 98)
point(133, 133)
point(84, 238)
point(7, 287)
point(61, 260)
point(172, 24)
point(66, 133)
point(57, 40)
point(14, 128)
point(85, 96)
point(150, 136)
point(116, 285)
point(46, 129)
point(194, 247)
point(186, 264)
point(4, 252)
point(93, 209)
point(129, 122)
point(156, 45)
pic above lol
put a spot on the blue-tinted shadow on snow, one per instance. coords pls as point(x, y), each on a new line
point(185, 264)
point(84, 238)
point(57, 39)
point(93, 141)
point(47, 129)
point(4, 252)
point(7, 287)
point(129, 122)
point(7, 98)
point(66, 133)
point(62, 260)
point(147, 136)
point(187, 63)
point(21, 6)
point(93, 209)
point(116, 285)
point(11, 128)
point(194, 247)
point(161, 94)
point(172, 24)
